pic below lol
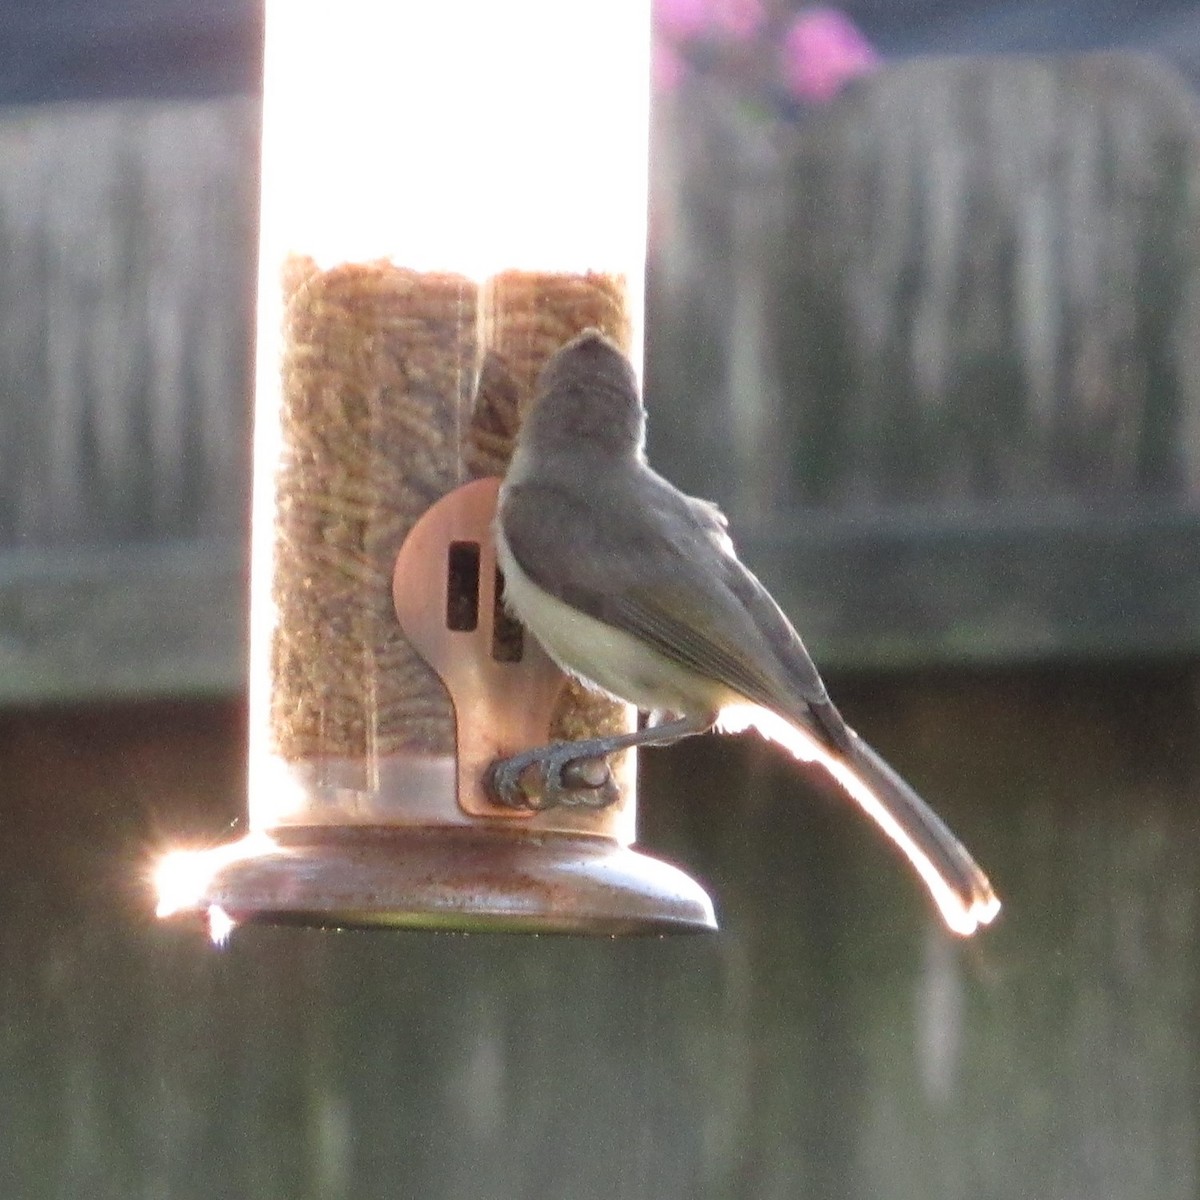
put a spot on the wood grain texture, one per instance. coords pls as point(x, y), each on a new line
point(830, 1041)
point(1055, 1056)
point(127, 232)
point(936, 354)
point(913, 588)
point(962, 301)
point(106, 621)
point(988, 287)
point(967, 281)
point(127, 235)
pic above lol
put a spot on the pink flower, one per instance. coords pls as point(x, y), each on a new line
point(681, 20)
point(740, 20)
point(822, 51)
point(667, 66)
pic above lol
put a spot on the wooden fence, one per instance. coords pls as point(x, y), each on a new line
point(992, 479)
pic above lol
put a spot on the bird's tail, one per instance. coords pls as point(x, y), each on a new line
point(961, 890)
point(959, 887)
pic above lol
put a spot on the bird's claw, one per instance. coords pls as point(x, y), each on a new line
point(567, 778)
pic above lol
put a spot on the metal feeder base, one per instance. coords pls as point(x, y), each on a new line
point(466, 880)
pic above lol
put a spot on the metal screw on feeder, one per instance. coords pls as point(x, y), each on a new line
point(443, 205)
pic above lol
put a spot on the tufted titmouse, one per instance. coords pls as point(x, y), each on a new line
point(635, 588)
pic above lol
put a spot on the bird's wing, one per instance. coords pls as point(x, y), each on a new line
point(723, 624)
point(803, 682)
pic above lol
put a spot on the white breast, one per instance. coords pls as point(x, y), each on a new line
point(603, 656)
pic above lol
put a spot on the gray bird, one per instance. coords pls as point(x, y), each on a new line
point(635, 588)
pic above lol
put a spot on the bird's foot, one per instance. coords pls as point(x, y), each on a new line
point(569, 775)
point(576, 774)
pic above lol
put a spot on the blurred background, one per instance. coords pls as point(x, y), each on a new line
point(924, 316)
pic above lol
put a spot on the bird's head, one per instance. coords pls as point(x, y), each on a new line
point(587, 401)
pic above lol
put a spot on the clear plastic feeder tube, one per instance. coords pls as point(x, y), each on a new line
point(449, 193)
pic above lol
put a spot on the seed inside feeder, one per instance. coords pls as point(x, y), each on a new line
point(397, 386)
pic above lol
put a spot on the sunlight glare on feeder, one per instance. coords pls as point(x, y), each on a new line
point(182, 877)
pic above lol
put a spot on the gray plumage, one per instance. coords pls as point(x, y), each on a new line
point(636, 588)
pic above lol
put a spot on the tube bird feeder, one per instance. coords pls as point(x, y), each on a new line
point(449, 193)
